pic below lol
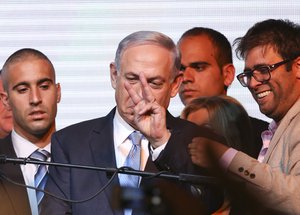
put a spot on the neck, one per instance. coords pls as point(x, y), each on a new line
point(41, 139)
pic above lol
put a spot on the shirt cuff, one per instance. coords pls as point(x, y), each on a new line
point(227, 158)
point(156, 152)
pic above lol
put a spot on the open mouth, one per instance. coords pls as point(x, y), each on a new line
point(263, 94)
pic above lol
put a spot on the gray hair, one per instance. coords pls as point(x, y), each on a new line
point(149, 37)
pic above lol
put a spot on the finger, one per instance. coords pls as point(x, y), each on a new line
point(196, 161)
point(132, 93)
point(145, 108)
point(147, 93)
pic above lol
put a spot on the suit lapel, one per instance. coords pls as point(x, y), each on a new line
point(101, 143)
point(16, 195)
point(281, 128)
point(102, 149)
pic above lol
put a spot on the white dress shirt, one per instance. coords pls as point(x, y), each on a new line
point(122, 144)
point(24, 149)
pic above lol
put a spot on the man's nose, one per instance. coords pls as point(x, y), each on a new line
point(253, 83)
point(188, 75)
point(35, 97)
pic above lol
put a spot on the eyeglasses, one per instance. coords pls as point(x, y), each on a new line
point(260, 73)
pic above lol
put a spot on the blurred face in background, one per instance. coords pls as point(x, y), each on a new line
point(5, 117)
point(199, 117)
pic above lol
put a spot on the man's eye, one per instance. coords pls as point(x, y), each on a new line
point(44, 86)
point(182, 68)
point(22, 89)
point(247, 74)
point(198, 67)
point(154, 84)
point(132, 79)
point(263, 69)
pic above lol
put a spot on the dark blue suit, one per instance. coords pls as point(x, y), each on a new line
point(91, 143)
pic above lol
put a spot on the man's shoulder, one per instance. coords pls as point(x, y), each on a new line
point(88, 125)
point(5, 143)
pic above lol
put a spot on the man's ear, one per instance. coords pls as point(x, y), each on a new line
point(176, 84)
point(58, 89)
point(113, 75)
point(4, 100)
point(296, 66)
point(228, 72)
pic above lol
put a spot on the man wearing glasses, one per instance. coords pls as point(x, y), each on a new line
point(271, 50)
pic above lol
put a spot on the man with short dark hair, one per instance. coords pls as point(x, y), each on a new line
point(271, 50)
point(32, 94)
point(206, 62)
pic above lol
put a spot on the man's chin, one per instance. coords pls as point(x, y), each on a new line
point(266, 111)
point(39, 130)
point(187, 101)
point(183, 100)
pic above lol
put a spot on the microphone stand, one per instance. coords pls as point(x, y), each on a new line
point(187, 178)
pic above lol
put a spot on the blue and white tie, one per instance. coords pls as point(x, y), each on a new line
point(41, 175)
point(133, 160)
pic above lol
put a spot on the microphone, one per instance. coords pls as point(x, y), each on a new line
point(182, 177)
point(124, 195)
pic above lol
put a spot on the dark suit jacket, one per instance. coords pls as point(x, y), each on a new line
point(91, 143)
point(258, 126)
point(13, 198)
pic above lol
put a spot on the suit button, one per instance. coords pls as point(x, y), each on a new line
point(246, 173)
point(241, 169)
point(252, 175)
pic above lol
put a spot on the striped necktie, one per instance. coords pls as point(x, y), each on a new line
point(132, 160)
point(41, 175)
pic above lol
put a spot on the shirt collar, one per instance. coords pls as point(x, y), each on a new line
point(23, 147)
point(122, 128)
point(273, 126)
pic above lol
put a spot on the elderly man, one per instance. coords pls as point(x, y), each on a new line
point(139, 132)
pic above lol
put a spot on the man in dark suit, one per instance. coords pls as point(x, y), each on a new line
point(32, 95)
point(145, 75)
point(206, 62)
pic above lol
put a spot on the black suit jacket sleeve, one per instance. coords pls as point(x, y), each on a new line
point(175, 157)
